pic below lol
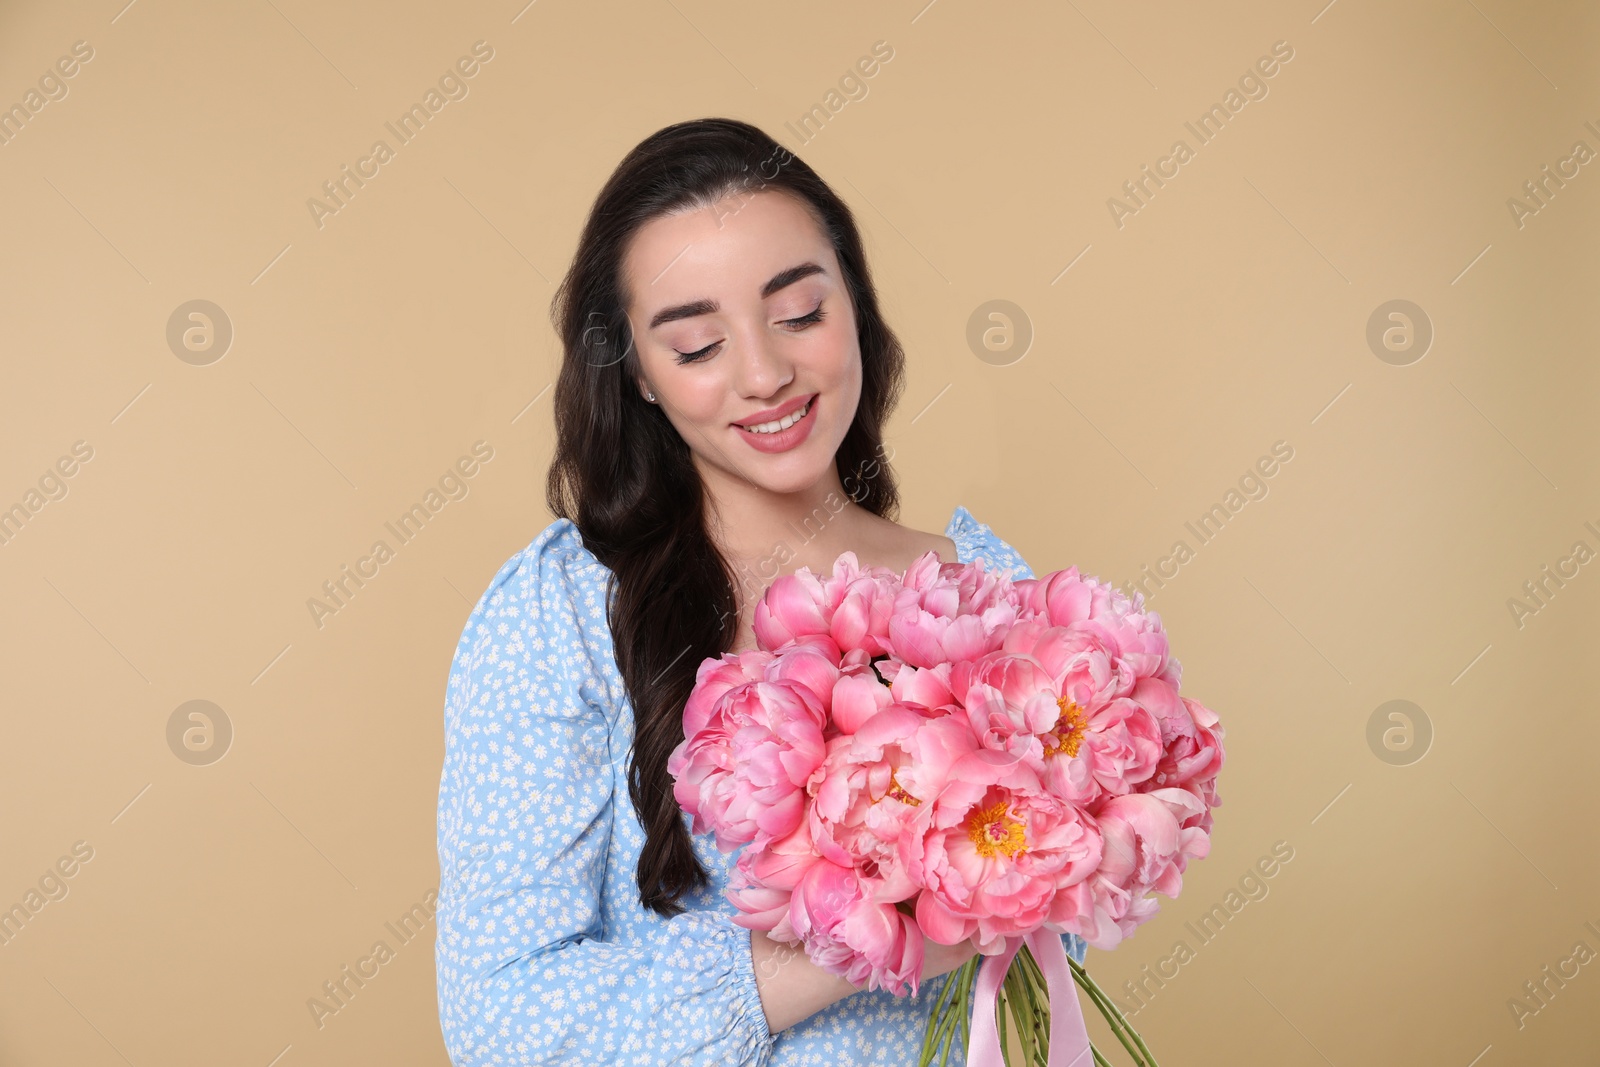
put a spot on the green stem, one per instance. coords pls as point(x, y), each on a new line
point(951, 1020)
point(936, 1019)
point(1112, 1013)
point(1120, 1027)
point(1023, 995)
point(1040, 999)
point(958, 1011)
point(968, 976)
point(1021, 1005)
point(947, 1031)
point(1000, 1018)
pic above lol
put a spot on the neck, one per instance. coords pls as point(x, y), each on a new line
point(764, 533)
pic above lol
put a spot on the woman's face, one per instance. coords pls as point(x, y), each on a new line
point(739, 310)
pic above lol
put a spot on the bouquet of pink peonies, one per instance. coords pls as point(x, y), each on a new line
point(956, 754)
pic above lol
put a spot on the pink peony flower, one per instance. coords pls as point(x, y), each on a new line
point(851, 607)
point(763, 880)
point(753, 738)
point(859, 694)
point(1133, 635)
point(1205, 790)
point(923, 687)
point(846, 930)
point(1192, 744)
point(861, 621)
point(1191, 757)
point(1067, 596)
point(998, 855)
point(1145, 849)
point(861, 808)
point(1050, 706)
point(950, 612)
point(1085, 664)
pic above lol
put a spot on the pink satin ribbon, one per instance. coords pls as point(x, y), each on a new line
point(1069, 1037)
point(983, 1039)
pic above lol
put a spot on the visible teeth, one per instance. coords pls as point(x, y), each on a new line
point(783, 423)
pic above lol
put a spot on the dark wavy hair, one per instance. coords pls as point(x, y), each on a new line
point(622, 473)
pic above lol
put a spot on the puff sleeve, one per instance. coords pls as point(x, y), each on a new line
point(533, 965)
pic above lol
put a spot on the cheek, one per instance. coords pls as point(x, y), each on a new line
point(852, 369)
point(842, 353)
point(699, 397)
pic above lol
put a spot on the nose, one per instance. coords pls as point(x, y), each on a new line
point(762, 368)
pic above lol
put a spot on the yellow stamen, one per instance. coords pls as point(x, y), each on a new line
point(898, 791)
point(1069, 729)
point(992, 832)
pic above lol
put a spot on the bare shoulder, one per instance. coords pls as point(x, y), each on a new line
point(897, 547)
point(940, 544)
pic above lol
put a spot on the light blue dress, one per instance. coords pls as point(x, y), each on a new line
point(544, 953)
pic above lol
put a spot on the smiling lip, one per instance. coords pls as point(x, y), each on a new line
point(774, 414)
point(783, 440)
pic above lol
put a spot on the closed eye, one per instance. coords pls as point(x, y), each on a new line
point(810, 319)
point(804, 322)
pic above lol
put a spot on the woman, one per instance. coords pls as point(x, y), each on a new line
point(719, 417)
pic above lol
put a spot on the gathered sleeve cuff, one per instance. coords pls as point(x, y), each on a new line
point(709, 958)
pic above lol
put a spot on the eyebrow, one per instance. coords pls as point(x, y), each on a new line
point(778, 281)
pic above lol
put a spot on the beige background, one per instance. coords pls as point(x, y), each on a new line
point(1229, 313)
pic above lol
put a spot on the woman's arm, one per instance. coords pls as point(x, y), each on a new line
point(793, 988)
point(532, 968)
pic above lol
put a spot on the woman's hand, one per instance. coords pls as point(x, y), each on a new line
point(940, 959)
point(792, 988)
